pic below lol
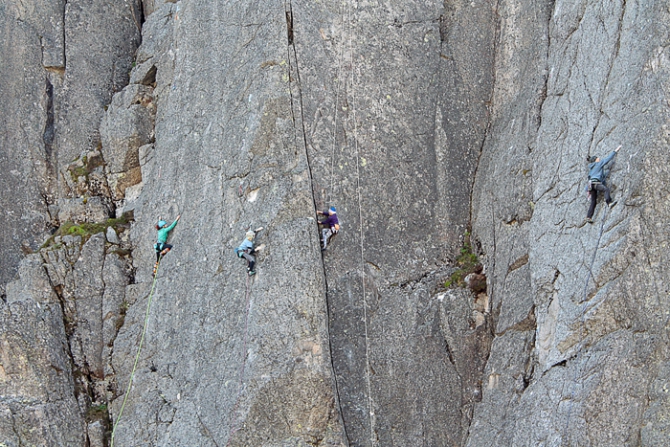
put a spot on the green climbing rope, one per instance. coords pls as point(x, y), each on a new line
point(137, 356)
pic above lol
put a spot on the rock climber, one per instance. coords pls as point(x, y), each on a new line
point(246, 250)
point(332, 225)
point(162, 247)
point(598, 172)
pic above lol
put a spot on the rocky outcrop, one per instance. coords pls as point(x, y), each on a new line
point(37, 386)
point(64, 61)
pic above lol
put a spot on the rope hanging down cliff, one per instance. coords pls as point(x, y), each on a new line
point(233, 424)
point(139, 349)
point(583, 303)
point(337, 105)
point(348, 20)
point(368, 385)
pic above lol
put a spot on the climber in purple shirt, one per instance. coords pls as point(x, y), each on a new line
point(331, 223)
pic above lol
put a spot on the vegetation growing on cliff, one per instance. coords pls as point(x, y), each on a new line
point(85, 230)
point(467, 263)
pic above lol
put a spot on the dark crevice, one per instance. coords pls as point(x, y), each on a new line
point(294, 67)
point(562, 363)
point(150, 78)
point(143, 18)
point(530, 361)
point(289, 24)
point(443, 29)
point(138, 21)
point(15, 429)
point(540, 102)
point(64, 35)
point(489, 123)
point(48, 137)
point(450, 356)
point(49, 132)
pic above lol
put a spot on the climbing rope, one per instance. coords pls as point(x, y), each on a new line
point(233, 427)
point(583, 303)
point(368, 384)
point(139, 349)
point(337, 105)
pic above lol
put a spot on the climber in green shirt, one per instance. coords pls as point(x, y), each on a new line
point(162, 247)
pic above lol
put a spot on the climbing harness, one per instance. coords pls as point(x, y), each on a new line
point(583, 303)
point(137, 356)
point(233, 425)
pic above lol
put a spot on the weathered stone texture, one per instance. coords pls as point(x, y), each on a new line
point(395, 110)
point(224, 361)
point(433, 126)
point(127, 125)
point(592, 290)
point(100, 40)
point(24, 112)
point(62, 62)
point(37, 389)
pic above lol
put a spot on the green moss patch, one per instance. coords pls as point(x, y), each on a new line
point(85, 230)
point(467, 262)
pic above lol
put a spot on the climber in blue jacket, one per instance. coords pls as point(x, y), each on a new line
point(598, 172)
point(247, 250)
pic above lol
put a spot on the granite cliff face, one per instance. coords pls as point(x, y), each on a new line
point(451, 137)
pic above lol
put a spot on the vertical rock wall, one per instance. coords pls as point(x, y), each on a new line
point(62, 62)
point(227, 359)
point(37, 388)
point(581, 334)
point(395, 110)
point(436, 128)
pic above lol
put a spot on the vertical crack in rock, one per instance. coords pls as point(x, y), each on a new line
point(489, 124)
point(294, 66)
point(138, 22)
point(50, 159)
point(605, 88)
point(545, 85)
point(65, 4)
point(68, 326)
point(49, 133)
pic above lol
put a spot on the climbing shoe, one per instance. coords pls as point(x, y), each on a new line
point(611, 204)
point(588, 220)
point(252, 273)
